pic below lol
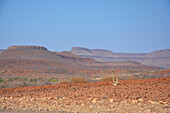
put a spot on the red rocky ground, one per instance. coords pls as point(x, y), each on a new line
point(142, 96)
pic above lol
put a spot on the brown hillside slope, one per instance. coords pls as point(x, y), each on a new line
point(38, 61)
point(41, 53)
point(134, 96)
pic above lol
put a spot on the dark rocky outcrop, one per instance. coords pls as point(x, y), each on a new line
point(27, 48)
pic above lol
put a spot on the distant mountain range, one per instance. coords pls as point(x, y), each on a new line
point(159, 58)
point(1, 50)
point(26, 57)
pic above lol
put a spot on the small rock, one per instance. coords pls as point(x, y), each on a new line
point(64, 98)
point(11, 98)
point(5, 108)
point(9, 109)
point(94, 100)
point(111, 100)
point(33, 99)
point(162, 102)
point(153, 102)
point(134, 101)
point(83, 105)
point(40, 109)
point(140, 100)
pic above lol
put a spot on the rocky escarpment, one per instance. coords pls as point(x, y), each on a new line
point(34, 53)
point(27, 48)
point(160, 58)
point(93, 52)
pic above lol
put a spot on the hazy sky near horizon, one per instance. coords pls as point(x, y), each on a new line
point(59, 25)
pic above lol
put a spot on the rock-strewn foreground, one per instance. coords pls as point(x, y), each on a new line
point(133, 96)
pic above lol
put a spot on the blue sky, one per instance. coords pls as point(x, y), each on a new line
point(59, 25)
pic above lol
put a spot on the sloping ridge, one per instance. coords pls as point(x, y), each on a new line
point(41, 53)
point(38, 61)
point(160, 58)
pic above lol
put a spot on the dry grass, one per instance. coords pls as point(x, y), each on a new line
point(109, 78)
point(14, 82)
point(64, 82)
point(106, 78)
point(75, 79)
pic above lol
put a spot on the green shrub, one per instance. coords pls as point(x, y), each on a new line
point(33, 80)
point(10, 79)
point(1, 80)
point(53, 79)
point(40, 78)
point(16, 78)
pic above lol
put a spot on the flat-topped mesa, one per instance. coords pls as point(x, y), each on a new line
point(79, 49)
point(27, 48)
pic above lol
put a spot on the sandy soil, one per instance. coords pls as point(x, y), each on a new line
point(133, 96)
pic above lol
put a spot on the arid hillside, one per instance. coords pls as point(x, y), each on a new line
point(160, 58)
point(38, 61)
point(133, 96)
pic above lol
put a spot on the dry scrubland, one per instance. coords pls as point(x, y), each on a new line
point(33, 79)
point(133, 96)
point(25, 81)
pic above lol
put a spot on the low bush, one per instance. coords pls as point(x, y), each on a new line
point(78, 80)
point(75, 79)
point(64, 82)
point(106, 78)
point(109, 78)
point(33, 80)
point(1, 80)
point(53, 80)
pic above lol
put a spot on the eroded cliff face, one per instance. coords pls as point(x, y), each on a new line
point(27, 48)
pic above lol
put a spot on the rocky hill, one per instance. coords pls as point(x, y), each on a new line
point(41, 53)
point(27, 48)
point(160, 58)
point(38, 61)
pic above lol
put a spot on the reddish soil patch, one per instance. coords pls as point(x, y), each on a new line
point(145, 95)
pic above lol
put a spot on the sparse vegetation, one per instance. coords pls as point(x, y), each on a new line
point(1, 80)
point(102, 75)
point(75, 79)
point(53, 80)
point(78, 80)
point(13, 82)
point(64, 82)
point(106, 78)
point(109, 78)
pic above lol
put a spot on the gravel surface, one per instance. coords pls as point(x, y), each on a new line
point(133, 96)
